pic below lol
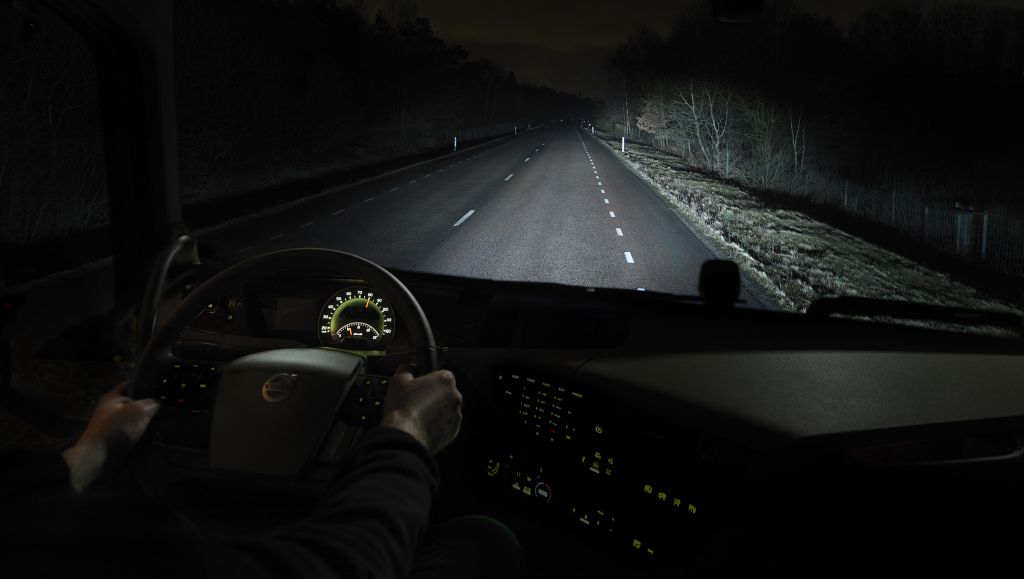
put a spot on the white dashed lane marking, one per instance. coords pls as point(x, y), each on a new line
point(464, 217)
point(278, 236)
point(618, 231)
point(509, 176)
point(368, 199)
point(305, 225)
point(612, 213)
point(605, 201)
point(629, 257)
point(338, 212)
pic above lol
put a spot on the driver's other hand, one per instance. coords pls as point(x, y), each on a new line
point(117, 423)
point(429, 407)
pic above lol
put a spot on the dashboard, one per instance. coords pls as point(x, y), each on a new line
point(646, 432)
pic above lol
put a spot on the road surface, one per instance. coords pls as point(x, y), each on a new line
point(552, 205)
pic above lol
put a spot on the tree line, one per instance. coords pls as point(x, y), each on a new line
point(299, 82)
point(932, 93)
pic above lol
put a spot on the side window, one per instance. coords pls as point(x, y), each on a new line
point(53, 200)
point(55, 287)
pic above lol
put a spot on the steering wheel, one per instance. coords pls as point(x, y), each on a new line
point(278, 410)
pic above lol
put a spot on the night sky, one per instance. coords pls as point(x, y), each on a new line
point(565, 43)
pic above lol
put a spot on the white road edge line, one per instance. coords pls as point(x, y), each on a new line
point(509, 176)
point(618, 231)
point(629, 257)
point(464, 217)
point(338, 212)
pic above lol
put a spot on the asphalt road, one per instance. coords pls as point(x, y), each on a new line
point(552, 204)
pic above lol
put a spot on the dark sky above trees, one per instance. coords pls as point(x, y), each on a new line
point(565, 44)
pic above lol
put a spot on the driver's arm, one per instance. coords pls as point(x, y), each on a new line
point(368, 525)
point(377, 510)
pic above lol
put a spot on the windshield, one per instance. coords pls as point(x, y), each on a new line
point(864, 148)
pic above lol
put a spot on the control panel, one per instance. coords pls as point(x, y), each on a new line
point(574, 456)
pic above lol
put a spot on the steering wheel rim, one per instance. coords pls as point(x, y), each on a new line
point(159, 352)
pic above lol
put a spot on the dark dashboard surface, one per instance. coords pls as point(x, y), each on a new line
point(633, 423)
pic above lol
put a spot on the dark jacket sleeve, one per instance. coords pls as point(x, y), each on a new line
point(368, 526)
point(33, 475)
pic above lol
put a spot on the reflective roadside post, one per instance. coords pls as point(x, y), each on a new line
point(623, 144)
point(455, 144)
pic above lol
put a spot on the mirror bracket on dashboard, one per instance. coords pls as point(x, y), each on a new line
point(719, 283)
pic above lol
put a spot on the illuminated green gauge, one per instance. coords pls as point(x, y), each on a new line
point(357, 318)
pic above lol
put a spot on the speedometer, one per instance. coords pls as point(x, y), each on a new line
point(356, 318)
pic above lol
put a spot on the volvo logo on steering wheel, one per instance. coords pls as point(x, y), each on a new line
point(279, 387)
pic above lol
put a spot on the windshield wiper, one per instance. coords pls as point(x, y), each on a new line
point(855, 306)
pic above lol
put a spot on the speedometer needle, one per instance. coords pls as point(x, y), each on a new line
point(367, 303)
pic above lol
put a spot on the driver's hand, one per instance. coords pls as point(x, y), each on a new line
point(117, 423)
point(429, 407)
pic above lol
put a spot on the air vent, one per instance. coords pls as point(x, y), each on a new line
point(944, 451)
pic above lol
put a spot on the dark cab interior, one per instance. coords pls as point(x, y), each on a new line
point(618, 433)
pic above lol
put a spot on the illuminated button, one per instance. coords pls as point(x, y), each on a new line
point(676, 502)
point(637, 544)
point(648, 489)
point(611, 461)
point(599, 429)
point(650, 551)
point(662, 496)
point(577, 394)
point(691, 508)
point(597, 454)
